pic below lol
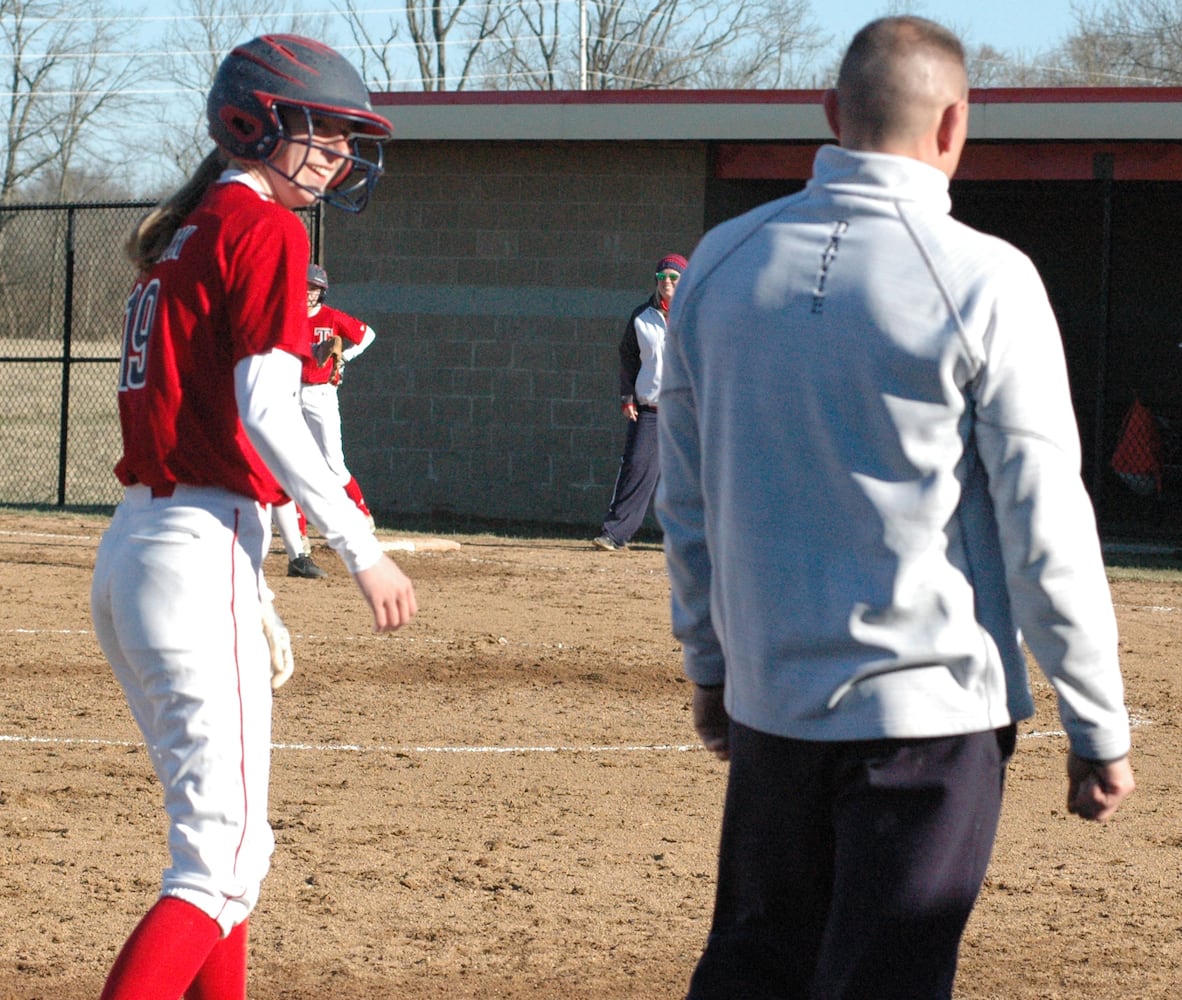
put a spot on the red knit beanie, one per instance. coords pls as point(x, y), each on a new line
point(672, 261)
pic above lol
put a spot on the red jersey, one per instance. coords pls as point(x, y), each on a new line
point(324, 325)
point(230, 285)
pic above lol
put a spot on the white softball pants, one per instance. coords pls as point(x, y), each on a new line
point(177, 611)
point(286, 519)
point(322, 414)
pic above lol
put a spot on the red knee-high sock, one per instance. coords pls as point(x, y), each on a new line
point(303, 522)
point(162, 955)
point(223, 976)
point(353, 490)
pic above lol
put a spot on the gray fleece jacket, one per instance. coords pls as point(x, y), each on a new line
point(870, 483)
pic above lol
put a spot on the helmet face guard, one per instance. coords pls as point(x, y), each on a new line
point(303, 79)
point(353, 185)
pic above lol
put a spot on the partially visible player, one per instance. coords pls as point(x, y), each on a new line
point(336, 338)
point(212, 435)
point(290, 522)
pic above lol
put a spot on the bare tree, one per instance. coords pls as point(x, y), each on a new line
point(770, 44)
point(84, 183)
point(379, 48)
point(654, 43)
point(445, 36)
point(531, 54)
point(538, 45)
point(61, 95)
point(1134, 43)
point(431, 23)
point(638, 47)
point(194, 46)
point(991, 67)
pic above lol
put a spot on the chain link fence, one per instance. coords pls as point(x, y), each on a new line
point(63, 282)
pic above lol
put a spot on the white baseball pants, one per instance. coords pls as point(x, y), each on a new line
point(177, 610)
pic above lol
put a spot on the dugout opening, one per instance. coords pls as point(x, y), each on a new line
point(1107, 245)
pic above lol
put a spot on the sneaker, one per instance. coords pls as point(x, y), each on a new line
point(608, 544)
point(303, 566)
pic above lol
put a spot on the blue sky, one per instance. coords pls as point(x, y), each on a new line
point(1010, 25)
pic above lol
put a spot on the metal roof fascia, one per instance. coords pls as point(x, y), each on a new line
point(626, 122)
point(1046, 114)
point(1075, 121)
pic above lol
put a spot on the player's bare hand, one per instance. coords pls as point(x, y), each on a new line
point(630, 411)
point(1095, 791)
point(712, 722)
point(390, 594)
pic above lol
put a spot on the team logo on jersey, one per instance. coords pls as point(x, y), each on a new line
point(178, 243)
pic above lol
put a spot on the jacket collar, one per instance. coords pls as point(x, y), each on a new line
point(880, 175)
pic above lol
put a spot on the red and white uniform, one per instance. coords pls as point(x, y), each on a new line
point(318, 391)
point(324, 324)
point(213, 335)
point(231, 286)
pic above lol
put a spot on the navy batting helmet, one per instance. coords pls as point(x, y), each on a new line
point(318, 278)
point(273, 72)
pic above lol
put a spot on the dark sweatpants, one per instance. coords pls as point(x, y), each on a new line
point(847, 871)
point(637, 479)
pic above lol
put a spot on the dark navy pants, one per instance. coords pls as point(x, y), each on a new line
point(637, 479)
point(847, 871)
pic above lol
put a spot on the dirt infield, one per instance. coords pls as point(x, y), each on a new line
point(506, 799)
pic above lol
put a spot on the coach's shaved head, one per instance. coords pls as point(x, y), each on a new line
point(903, 89)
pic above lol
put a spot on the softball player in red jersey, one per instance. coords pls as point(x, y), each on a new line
point(318, 392)
point(214, 333)
point(320, 378)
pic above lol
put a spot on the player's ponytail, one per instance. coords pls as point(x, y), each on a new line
point(155, 231)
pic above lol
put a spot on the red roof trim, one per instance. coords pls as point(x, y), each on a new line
point(1077, 95)
point(596, 98)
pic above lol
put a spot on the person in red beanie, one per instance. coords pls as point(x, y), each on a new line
point(641, 349)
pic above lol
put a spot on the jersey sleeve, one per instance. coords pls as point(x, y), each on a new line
point(351, 329)
point(266, 290)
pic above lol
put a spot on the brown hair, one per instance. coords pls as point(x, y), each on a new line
point(155, 231)
point(879, 94)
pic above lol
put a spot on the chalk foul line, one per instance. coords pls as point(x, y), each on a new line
point(381, 748)
point(1135, 721)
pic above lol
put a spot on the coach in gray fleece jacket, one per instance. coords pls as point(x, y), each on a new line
point(870, 492)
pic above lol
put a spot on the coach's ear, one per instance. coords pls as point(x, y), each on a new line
point(951, 134)
point(831, 112)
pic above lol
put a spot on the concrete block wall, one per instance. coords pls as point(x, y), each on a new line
point(498, 278)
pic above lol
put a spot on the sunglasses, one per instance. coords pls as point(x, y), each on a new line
point(668, 276)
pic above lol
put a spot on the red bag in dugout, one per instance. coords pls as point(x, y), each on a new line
point(1138, 455)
